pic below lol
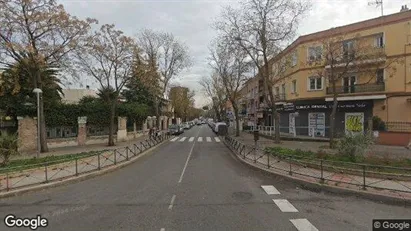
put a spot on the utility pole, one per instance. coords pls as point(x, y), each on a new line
point(378, 3)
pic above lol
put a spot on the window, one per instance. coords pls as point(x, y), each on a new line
point(294, 86)
point(294, 59)
point(315, 53)
point(348, 49)
point(379, 41)
point(380, 76)
point(283, 88)
point(315, 83)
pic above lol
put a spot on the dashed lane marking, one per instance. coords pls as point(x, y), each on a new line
point(285, 206)
point(303, 225)
point(270, 190)
point(170, 207)
point(208, 139)
point(200, 139)
point(191, 139)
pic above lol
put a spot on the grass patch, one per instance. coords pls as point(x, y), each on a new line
point(22, 164)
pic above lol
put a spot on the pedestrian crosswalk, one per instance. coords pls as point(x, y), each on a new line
point(207, 139)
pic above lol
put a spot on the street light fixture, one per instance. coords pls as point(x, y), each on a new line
point(38, 91)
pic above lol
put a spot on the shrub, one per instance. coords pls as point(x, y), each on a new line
point(8, 147)
point(354, 146)
point(378, 124)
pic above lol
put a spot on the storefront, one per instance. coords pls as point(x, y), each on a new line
point(312, 118)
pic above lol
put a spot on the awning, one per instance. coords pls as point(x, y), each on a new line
point(353, 98)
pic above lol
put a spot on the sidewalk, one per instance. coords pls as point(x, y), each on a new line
point(301, 171)
point(383, 151)
point(85, 148)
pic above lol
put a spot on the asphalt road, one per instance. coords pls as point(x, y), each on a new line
point(192, 185)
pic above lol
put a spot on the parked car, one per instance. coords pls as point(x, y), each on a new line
point(175, 129)
point(186, 125)
point(218, 125)
point(199, 123)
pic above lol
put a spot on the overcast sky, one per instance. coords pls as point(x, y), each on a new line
point(190, 21)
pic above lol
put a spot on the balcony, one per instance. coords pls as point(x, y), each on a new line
point(365, 57)
point(358, 88)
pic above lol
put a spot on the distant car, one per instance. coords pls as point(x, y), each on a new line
point(216, 125)
point(199, 123)
point(186, 125)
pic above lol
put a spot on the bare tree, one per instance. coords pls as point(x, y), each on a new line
point(45, 33)
point(214, 89)
point(108, 57)
point(262, 28)
point(340, 57)
point(230, 63)
point(166, 54)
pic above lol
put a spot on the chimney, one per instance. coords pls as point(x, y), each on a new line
point(404, 8)
point(88, 87)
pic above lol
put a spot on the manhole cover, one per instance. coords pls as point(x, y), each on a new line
point(242, 196)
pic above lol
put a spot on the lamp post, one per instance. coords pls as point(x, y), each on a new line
point(38, 91)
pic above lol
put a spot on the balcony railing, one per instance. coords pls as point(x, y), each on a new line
point(366, 56)
point(358, 88)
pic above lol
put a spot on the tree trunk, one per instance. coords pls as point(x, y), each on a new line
point(332, 122)
point(111, 128)
point(157, 103)
point(276, 116)
point(43, 134)
point(237, 121)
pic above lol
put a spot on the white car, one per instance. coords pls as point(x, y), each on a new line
point(216, 126)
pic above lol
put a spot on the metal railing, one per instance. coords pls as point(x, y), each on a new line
point(28, 175)
point(357, 88)
point(398, 126)
point(62, 132)
point(327, 172)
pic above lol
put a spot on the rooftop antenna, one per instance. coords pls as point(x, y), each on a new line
point(378, 3)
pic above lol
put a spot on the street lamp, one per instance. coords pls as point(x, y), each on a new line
point(38, 91)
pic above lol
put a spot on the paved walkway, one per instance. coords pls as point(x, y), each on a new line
point(334, 175)
point(383, 151)
point(85, 148)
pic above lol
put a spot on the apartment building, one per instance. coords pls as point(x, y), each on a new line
point(249, 102)
point(377, 85)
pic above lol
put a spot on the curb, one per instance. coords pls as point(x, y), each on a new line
point(79, 178)
point(315, 186)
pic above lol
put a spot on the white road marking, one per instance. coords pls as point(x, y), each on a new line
point(285, 206)
point(162, 229)
point(200, 139)
point(191, 139)
point(270, 190)
point(170, 207)
point(208, 139)
point(303, 225)
point(188, 159)
point(174, 139)
point(182, 139)
point(217, 139)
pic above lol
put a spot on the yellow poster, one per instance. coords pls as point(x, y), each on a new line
point(354, 123)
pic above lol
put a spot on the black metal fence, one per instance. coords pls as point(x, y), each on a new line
point(398, 126)
point(62, 132)
point(28, 175)
point(94, 130)
point(327, 172)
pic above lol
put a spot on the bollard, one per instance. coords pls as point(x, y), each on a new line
point(45, 172)
point(127, 153)
point(322, 172)
point(7, 181)
point(76, 166)
point(98, 159)
point(115, 156)
point(268, 160)
point(363, 176)
point(291, 171)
